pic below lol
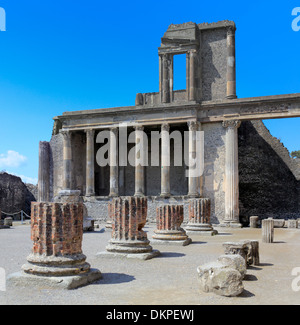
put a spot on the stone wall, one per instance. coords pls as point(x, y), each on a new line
point(268, 187)
point(214, 63)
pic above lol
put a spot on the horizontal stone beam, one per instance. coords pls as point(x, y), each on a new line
point(268, 107)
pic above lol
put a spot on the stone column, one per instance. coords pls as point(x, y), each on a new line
point(140, 158)
point(165, 160)
point(90, 163)
point(199, 217)
point(67, 160)
point(267, 226)
point(44, 172)
point(165, 80)
point(192, 75)
point(193, 180)
point(129, 215)
point(254, 221)
point(231, 174)
point(113, 160)
point(169, 218)
point(56, 258)
point(231, 73)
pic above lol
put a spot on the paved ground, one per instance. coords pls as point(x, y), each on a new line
point(170, 279)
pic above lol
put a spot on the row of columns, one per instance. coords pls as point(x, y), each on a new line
point(194, 183)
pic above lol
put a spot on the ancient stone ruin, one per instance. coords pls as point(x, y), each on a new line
point(175, 157)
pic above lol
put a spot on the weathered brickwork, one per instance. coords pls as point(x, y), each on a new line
point(129, 217)
point(168, 222)
point(57, 229)
point(199, 211)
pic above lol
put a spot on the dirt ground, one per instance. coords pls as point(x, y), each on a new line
point(170, 279)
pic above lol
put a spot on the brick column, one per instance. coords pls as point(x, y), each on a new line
point(168, 222)
point(90, 163)
point(128, 238)
point(57, 258)
point(199, 217)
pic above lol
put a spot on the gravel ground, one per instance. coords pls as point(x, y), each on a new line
point(170, 279)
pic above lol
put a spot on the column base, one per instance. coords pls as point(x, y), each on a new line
point(22, 279)
point(139, 194)
point(68, 196)
point(201, 229)
point(230, 224)
point(138, 256)
point(171, 242)
point(193, 195)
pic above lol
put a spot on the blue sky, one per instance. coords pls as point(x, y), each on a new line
point(66, 55)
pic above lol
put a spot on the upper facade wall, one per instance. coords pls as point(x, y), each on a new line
point(210, 64)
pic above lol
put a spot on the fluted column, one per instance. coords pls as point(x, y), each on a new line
point(44, 172)
point(90, 163)
point(140, 159)
point(165, 160)
point(67, 160)
point(113, 160)
point(231, 73)
point(193, 175)
point(231, 173)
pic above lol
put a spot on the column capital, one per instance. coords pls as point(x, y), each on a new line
point(90, 132)
point(233, 124)
point(165, 127)
point(193, 125)
point(66, 134)
point(138, 127)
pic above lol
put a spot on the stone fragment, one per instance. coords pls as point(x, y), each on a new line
point(234, 261)
point(292, 223)
point(279, 223)
point(240, 248)
point(268, 231)
point(8, 221)
point(254, 221)
point(219, 279)
point(168, 222)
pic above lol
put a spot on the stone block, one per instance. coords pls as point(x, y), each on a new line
point(292, 223)
point(8, 221)
point(219, 279)
point(234, 261)
point(254, 221)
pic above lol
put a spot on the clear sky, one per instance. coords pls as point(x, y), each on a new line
point(67, 55)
